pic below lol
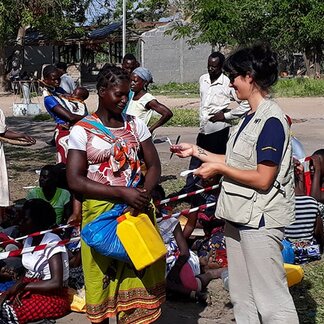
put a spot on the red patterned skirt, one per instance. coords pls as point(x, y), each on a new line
point(34, 307)
point(61, 141)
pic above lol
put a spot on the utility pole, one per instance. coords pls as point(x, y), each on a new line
point(124, 27)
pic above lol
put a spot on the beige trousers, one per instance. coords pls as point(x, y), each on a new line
point(257, 280)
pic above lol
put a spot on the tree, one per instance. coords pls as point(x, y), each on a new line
point(288, 25)
point(55, 18)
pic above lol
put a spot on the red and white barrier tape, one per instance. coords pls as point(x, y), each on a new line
point(38, 233)
point(15, 253)
point(164, 201)
point(188, 211)
point(189, 194)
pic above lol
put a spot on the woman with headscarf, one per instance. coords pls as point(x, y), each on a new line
point(143, 103)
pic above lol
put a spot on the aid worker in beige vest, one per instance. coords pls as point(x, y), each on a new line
point(257, 192)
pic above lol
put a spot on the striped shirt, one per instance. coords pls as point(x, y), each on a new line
point(306, 212)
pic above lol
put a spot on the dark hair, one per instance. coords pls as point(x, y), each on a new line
point(49, 167)
point(61, 65)
point(110, 75)
point(129, 57)
point(48, 69)
point(319, 152)
point(158, 193)
point(84, 92)
point(218, 55)
point(52, 175)
point(259, 61)
point(41, 213)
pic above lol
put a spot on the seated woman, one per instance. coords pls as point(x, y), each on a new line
point(143, 104)
point(60, 199)
point(306, 233)
point(41, 293)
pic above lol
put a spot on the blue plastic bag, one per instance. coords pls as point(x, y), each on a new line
point(288, 253)
point(100, 234)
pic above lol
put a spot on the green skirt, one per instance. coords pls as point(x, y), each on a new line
point(115, 288)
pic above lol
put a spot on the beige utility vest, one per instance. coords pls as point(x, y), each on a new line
point(245, 205)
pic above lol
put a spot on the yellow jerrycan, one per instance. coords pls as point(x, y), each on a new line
point(140, 239)
point(294, 273)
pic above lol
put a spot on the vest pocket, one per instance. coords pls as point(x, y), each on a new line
point(236, 203)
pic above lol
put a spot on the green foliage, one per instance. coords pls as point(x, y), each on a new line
point(176, 89)
point(181, 117)
point(42, 117)
point(289, 25)
point(289, 87)
point(299, 87)
point(54, 18)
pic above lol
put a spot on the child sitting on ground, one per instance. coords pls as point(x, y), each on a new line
point(59, 198)
point(183, 273)
point(306, 233)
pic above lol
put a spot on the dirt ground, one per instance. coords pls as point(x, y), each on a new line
point(308, 127)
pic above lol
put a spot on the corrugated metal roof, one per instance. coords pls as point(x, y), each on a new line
point(105, 31)
point(34, 36)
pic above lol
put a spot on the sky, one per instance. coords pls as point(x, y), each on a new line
point(96, 9)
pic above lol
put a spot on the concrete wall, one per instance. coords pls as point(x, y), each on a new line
point(172, 60)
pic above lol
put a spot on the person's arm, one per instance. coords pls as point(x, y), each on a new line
point(75, 217)
point(261, 178)
point(76, 170)
point(318, 232)
point(75, 259)
point(56, 281)
point(43, 286)
point(19, 136)
point(237, 112)
point(182, 258)
point(316, 191)
point(226, 114)
point(66, 115)
point(54, 107)
point(153, 165)
point(184, 150)
point(190, 225)
point(67, 211)
point(164, 111)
